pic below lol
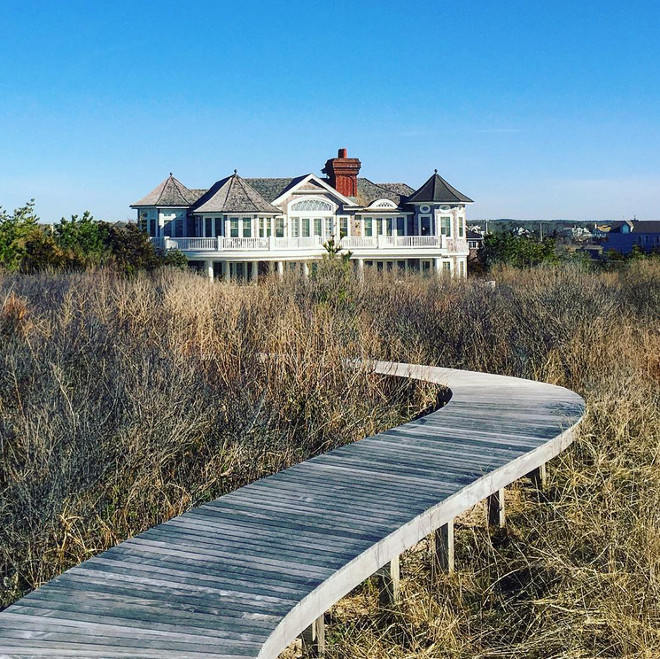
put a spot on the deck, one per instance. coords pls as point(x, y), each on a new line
point(242, 576)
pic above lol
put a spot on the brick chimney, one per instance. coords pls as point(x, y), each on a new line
point(343, 172)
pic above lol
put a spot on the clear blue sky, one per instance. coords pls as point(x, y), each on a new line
point(536, 109)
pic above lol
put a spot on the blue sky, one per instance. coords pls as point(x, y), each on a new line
point(536, 109)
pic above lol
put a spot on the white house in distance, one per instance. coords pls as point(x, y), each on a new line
point(244, 227)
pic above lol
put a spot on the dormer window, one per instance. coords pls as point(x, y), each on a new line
point(311, 205)
point(383, 203)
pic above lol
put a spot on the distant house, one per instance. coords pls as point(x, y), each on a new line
point(601, 230)
point(244, 227)
point(475, 242)
point(623, 236)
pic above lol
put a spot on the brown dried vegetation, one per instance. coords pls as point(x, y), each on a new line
point(123, 403)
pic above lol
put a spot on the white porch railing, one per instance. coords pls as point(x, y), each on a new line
point(306, 242)
point(353, 242)
point(221, 244)
point(379, 242)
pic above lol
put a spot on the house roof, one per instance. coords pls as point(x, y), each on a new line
point(645, 226)
point(233, 195)
point(402, 189)
point(473, 235)
point(368, 192)
point(171, 192)
point(271, 188)
point(436, 189)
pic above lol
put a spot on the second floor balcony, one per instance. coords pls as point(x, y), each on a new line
point(312, 246)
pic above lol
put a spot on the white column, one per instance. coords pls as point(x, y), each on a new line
point(209, 269)
point(360, 268)
point(438, 267)
point(254, 271)
point(226, 267)
point(280, 269)
point(305, 269)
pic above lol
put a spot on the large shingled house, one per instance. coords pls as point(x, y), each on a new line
point(244, 227)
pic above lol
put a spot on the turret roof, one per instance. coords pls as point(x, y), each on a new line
point(171, 192)
point(436, 189)
point(233, 195)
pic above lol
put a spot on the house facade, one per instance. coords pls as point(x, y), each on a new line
point(246, 227)
point(623, 236)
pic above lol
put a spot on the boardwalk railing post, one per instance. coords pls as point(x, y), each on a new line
point(313, 638)
point(443, 549)
point(540, 477)
point(388, 583)
point(496, 516)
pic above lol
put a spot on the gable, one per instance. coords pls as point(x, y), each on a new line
point(312, 185)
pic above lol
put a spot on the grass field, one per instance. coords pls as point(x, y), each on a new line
point(125, 402)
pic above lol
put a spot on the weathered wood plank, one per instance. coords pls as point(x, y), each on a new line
point(244, 575)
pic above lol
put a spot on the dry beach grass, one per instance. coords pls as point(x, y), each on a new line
point(124, 402)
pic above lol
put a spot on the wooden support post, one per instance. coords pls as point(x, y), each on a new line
point(443, 549)
point(209, 269)
point(388, 583)
point(540, 477)
point(496, 516)
point(313, 638)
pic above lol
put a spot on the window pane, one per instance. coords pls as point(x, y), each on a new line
point(368, 228)
point(317, 226)
point(461, 230)
point(279, 227)
point(295, 227)
point(233, 227)
point(399, 225)
point(218, 226)
point(445, 226)
point(247, 227)
point(343, 226)
point(305, 227)
point(410, 221)
point(208, 229)
point(390, 222)
point(426, 225)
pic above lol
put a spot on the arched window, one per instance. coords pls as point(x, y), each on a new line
point(311, 205)
point(383, 203)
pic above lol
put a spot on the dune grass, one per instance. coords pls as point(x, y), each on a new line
point(124, 402)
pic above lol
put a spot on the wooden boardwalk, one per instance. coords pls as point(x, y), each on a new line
point(242, 576)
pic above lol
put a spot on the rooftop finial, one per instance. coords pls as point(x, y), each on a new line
point(170, 173)
point(235, 171)
point(435, 170)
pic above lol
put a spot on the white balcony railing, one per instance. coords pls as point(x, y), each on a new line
point(356, 242)
point(380, 242)
point(302, 242)
point(222, 244)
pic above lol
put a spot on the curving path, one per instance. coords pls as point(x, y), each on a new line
point(242, 576)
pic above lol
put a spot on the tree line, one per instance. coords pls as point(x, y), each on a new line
point(79, 243)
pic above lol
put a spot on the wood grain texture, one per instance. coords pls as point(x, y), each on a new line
point(245, 574)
